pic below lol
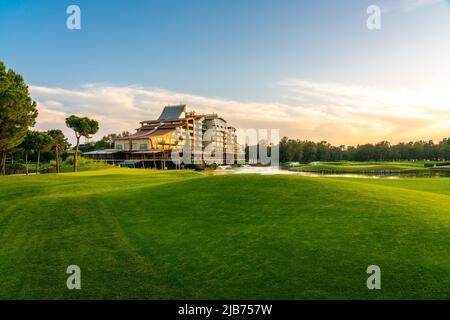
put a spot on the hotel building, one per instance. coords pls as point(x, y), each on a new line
point(205, 138)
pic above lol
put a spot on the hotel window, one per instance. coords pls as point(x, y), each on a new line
point(118, 147)
point(143, 146)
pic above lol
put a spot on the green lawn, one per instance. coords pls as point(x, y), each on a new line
point(356, 167)
point(151, 235)
point(83, 165)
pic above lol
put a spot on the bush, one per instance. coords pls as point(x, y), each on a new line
point(47, 168)
point(17, 167)
point(198, 167)
point(446, 163)
point(434, 164)
point(68, 161)
point(213, 166)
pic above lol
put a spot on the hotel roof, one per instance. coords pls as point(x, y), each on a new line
point(173, 112)
point(149, 133)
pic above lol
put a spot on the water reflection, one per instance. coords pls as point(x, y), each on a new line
point(279, 170)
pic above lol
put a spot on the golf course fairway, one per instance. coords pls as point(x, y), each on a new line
point(143, 234)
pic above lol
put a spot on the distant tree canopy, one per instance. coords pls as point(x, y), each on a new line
point(106, 142)
point(60, 141)
point(59, 144)
point(36, 141)
point(17, 111)
point(27, 145)
point(42, 142)
point(296, 150)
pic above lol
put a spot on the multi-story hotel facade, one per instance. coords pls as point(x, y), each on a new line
point(196, 139)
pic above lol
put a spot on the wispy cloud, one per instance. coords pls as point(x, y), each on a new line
point(371, 114)
point(122, 108)
point(337, 113)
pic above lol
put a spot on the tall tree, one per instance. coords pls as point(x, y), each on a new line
point(42, 142)
point(59, 145)
point(17, 111)
point(28, 145)
point(83, 127)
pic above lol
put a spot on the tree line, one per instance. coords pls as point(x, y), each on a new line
point(106, 142)
point(18, 113)
point(297, 150)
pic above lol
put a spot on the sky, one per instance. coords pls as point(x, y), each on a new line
point(309, 68)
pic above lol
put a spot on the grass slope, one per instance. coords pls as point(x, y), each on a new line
point(151, 235)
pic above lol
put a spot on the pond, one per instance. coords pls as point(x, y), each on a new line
point(279, 170)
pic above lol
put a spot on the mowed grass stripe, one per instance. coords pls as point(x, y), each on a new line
point(236, 236)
